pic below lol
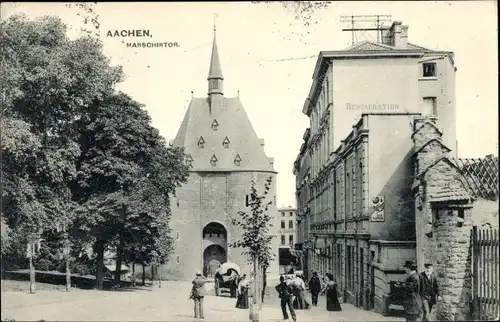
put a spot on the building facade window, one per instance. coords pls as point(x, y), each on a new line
point(282, 214)
point(429, 107)
point(290, 240)
point(283, 241)
point(290, 224)
point(178, 235)
point(429, 69)
point(349, 267)
point(177, 259)
point(283, 226)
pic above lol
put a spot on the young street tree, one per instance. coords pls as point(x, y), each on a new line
point(255, 238)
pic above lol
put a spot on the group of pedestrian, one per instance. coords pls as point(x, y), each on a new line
point(292, 294)
point(421, 292)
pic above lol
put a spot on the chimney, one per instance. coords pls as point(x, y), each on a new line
point(404, 37)
point(396, 35)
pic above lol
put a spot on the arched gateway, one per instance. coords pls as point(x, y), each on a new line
point(214, 247)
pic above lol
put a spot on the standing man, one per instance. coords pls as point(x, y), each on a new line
point(198, 294)
point(285, 294)
point(429, 291)
point(411, 289)
point(315, 288)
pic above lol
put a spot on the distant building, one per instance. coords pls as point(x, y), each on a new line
point(287, 234)
point(355, 168)
point(226, 155)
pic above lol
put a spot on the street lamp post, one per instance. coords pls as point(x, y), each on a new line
point(32, 239)
point(67, 256)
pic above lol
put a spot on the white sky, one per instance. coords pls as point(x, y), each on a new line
point(252, 38)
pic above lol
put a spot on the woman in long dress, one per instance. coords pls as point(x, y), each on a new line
point(242, 301)
point(332, 297)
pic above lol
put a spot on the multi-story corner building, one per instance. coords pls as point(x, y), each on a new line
point(226, 155)
point(354, 172)
point(287, 229)
point(286, 224)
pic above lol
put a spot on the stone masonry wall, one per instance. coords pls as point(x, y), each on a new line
point(453, 263)
point(443, 221)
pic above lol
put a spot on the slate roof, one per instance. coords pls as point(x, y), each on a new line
point(366, 45)
point(234, 124)
point(447, 194)
point(444, 147)
point(217, 133)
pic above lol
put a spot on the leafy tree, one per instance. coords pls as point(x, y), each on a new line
point(74, 151)
point(305, 11)
point(126, 174)
point(255, 226)
point(6, 237)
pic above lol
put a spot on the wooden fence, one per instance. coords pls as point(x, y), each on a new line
point(485, 275)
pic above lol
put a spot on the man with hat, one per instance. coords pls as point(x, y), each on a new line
point(429, 291)
point(411, 288)
point(198, 294)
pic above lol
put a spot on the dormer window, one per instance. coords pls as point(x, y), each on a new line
point(213, 160)
point(225, 143)
point(189, 159)
point(201, 142)
point(429, 69)
point(215, 125)
point(237, 160)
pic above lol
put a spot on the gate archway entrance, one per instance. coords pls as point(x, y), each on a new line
point(215, 247)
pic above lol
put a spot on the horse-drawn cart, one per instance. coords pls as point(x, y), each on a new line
point(227, 278)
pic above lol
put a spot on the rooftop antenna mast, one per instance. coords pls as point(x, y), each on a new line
point(365, 23)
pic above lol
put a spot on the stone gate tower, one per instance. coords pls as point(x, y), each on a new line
point(226, 155)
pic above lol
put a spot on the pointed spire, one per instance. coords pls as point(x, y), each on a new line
point(215, 69)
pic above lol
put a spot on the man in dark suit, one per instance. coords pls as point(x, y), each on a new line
point(411, 289)
point(429, 287)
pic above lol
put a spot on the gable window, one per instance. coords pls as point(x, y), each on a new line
point(225, 143)
point(237, 160)
point(215, 125)
point(429, 69)
point(201, 142)
point(189, 159)
point(213, 160)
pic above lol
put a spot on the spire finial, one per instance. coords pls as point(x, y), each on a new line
point(215, 23)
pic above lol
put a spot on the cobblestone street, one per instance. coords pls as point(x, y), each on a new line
point(169, 303)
